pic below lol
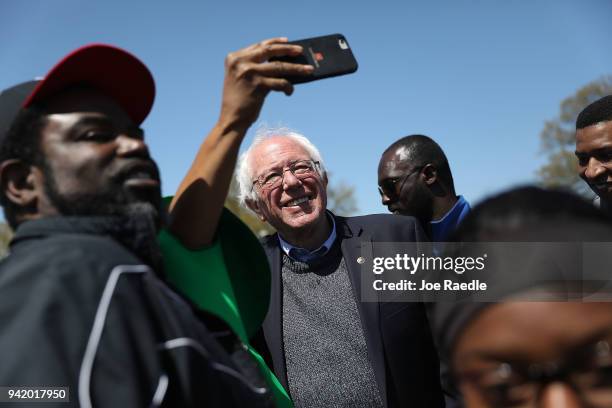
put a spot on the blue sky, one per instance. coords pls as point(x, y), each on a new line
point(479, 76)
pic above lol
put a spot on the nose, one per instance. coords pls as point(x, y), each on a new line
point(594, 169)
point(384, 198)
point(290, 181)
point(131, 146)
point(559, 395)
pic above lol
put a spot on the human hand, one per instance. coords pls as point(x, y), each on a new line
point(250, 76)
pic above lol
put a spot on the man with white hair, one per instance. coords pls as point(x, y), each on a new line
point(328, 347)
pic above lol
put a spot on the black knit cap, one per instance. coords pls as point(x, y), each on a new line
point(11, 102)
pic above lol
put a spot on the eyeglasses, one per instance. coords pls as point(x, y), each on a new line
point(588, 373)
point(301, 169)
point(388, 187)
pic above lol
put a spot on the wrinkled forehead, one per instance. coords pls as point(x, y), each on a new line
point(276, 152)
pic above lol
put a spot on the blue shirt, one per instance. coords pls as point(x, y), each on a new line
point(302, 254)
point(441, 229)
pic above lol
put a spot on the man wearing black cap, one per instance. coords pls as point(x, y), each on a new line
point(83, 304)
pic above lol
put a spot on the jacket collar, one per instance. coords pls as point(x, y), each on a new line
point(137, 232)
point(343, 230)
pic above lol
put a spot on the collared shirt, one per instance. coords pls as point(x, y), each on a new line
point(302, 254)
point(440, 229)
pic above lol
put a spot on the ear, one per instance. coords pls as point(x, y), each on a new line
point(254, 206)
point(18, 182)
point(429, 174)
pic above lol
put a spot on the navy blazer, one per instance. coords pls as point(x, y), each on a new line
point(397, 335)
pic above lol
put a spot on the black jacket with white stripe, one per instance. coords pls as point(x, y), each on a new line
point(79, 309)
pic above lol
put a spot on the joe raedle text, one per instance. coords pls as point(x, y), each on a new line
point(428, 273)
point(447, 285)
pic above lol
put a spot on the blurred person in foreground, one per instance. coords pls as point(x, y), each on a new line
point(85, 299)
point(329, 348)
point(414, 178)
point(594, 149)
point(542, 343)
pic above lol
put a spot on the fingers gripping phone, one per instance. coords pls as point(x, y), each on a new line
point(330, 55)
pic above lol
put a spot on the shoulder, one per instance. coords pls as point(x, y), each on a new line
point(375, 222)
point(63, 273)
point(385, 227)
point(98, 249)
point(378, 218)
point(269, 241)
point(82, 257)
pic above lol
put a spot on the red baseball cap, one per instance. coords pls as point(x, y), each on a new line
point(111, 70)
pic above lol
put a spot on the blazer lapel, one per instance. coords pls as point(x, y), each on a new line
point(352, 242)
point(273, 323)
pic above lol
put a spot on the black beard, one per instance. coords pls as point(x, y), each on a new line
point(113, 201)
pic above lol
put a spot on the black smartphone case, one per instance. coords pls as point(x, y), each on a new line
point(330, 55)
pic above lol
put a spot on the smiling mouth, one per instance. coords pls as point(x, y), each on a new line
point(297, 201)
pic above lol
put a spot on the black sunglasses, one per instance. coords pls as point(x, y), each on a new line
point(389, 186)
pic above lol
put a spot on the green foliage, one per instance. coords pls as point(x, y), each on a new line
point(247, 216)
point(558, 138)
point(341, 198)
point(6, 234)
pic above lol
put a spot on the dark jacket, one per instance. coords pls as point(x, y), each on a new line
point(398, 337)
point(80, 310)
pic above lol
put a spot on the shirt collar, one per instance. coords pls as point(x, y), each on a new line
point(286, 247)
point(442, 227)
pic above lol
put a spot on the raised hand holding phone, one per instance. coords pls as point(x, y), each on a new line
point(251, 73)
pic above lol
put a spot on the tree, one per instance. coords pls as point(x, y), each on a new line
point(247, 216)
point(340, 197)
point(5, 237)
point(558, 138)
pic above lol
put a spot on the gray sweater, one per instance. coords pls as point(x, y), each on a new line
point(325, 349)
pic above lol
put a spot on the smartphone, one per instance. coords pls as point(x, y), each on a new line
point(330, 55)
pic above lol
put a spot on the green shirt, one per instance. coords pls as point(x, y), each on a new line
point(230, 279)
